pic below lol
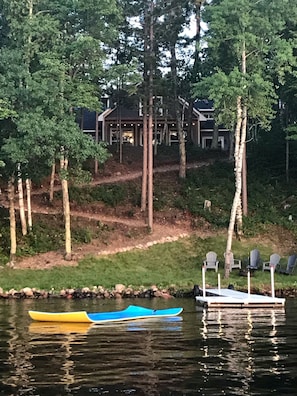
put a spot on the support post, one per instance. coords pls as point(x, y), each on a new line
point(249, 282)
point(203, 281)
point(272, 281)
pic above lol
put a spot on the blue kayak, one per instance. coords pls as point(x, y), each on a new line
point(133, 312)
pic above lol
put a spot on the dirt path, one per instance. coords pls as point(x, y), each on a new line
point(120, 240)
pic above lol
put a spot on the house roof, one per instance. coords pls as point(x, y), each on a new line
point(203, 104)
point(123, 113)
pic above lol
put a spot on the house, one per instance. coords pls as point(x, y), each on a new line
point(206, 108)
point(129, 121)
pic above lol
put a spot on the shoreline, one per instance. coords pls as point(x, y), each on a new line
point(121, 292)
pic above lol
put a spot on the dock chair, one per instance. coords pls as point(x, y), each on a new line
point(254, 260)
point(211, 261)
point(234, 263)
point(273, 262)
point(291, 265)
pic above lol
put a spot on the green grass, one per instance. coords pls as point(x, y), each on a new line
point(174, 265)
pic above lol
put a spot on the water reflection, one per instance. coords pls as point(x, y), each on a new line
point(250, 343)
point(59, 328)
point(231, 352)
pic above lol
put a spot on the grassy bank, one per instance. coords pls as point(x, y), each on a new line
point(175, 265)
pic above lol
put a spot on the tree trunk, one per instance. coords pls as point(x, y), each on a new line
point(238, 220)
point(150, 199)
point(244, 127)
point(21, 202)
point(97, 141)
point(150, 120)
point(182, 148)
point(144, 158)
point(29, 214)
point(215, 136)
point(180, 132)
point(195, 73)
point(52, 183)
point(231, 148)
point(13, 240)
point(242, 204)
point(144, 114)
point(238, 182)
point(244, 178)
point(66, 208)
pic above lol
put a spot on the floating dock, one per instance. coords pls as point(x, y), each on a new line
point(229, 298)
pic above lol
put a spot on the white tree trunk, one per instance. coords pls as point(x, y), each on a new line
point(238, 183)
point(52, 182)
point(240, 211)
point(21, 202)
point(29, 208)
point(66, 208)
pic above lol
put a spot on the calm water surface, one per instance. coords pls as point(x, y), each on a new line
point(220, 352)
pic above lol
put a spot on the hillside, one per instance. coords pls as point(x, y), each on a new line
point(123, 227)
point(107, 229)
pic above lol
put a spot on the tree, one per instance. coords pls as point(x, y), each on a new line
point(176, 16)
point(245, 89)
point(52, 58)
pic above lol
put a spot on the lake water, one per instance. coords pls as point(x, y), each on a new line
point(220, 352)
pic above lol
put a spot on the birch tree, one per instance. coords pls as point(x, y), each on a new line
point(245, 91)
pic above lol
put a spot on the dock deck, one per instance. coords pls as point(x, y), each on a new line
point(224, 298)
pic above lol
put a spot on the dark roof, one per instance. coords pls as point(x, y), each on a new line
point(123, 114)
point(203, 104)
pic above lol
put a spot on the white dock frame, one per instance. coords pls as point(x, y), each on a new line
point(228, 298)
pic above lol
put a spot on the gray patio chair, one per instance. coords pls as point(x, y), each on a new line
point(234, 263)
point(254, 260)
point(211, 261)
point(291, 265)
point(273, 262)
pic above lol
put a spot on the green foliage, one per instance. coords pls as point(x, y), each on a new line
point(77, 175)
point(291, 131)
point(143, 268)
point(47, 235)
point(247, 53)
point(46, 70)
point(112, 195)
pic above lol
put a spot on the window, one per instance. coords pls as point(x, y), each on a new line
point(206, 142)
point(127, 136)
point(208, 115)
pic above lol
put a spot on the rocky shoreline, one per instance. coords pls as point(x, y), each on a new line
point(118, 292)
